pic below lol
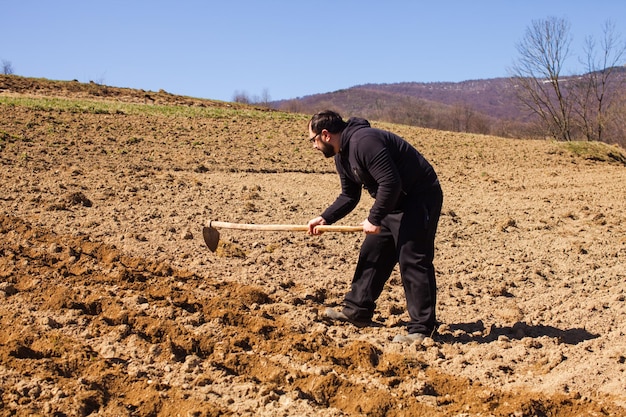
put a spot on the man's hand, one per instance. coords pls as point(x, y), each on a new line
point(314, 223)
point(369, 228)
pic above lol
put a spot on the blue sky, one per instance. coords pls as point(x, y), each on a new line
point(287, 49)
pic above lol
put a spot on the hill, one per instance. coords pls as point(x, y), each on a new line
point(112, 305)
point(489, 106)
point(493, 97)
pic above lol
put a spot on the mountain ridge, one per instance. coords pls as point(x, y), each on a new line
point(487, 106)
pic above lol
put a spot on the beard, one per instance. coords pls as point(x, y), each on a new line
point(327, 150)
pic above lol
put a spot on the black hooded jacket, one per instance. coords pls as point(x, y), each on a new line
point(384, 164)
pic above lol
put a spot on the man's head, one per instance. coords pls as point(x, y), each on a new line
point(325, 132)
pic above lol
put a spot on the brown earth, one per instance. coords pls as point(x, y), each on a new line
point(110, 304)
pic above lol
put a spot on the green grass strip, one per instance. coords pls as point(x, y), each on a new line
point(115, 107)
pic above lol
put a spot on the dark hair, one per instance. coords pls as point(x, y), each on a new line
point(328, 120)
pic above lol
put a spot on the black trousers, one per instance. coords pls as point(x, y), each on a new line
point(407, 238)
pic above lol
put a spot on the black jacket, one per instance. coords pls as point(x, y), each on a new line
point(384, 164)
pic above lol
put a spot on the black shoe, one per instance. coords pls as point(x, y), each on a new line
point(340, 316)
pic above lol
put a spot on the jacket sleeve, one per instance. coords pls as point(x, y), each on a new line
point(346, 201)
point(383, 170)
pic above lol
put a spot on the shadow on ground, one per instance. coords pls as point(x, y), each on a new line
point(476, 332)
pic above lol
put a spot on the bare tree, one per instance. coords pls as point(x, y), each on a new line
point(594, 92)
point(538, 74)
point(293, 106)
point(462, 116)
point(617, 121)
point(265, 98)
point(7, 67)
point(241, 97)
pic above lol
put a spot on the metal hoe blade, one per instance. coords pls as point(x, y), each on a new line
point(211, 237)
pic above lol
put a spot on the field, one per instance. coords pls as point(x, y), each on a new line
point(111, 304)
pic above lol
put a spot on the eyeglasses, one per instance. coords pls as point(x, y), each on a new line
point(314, 137)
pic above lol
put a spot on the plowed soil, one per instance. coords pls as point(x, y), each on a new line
point(111, 304)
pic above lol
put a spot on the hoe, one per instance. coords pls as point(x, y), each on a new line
point(212, 235)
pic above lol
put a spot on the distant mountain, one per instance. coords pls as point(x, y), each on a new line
point(487, 106)
point(476, 105)
point(493, 97)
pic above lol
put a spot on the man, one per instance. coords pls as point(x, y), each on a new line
point(401, 224)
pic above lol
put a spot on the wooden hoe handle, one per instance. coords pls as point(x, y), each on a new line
point(283, 227)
